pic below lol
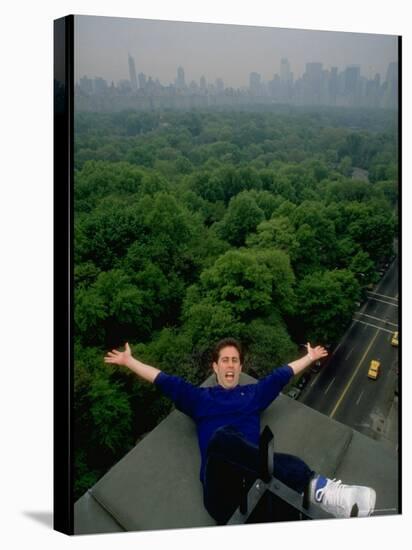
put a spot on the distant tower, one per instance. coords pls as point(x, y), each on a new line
point(285, 74)
point(86, 85)
point(180, 80)
point(286, 78)
point(254, 83)
point(220, 85)
point(312, 80)
point(142, 81)
point(352, 77)
point(132, 73)
point(333, 86)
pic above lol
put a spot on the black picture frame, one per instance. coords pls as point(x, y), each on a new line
point(63, 273)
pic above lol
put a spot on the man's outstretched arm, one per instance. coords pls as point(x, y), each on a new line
point(125, 358)
point(314, 354)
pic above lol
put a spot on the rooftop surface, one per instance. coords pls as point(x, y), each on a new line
point(156, 485)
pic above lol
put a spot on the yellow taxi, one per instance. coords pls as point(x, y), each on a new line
point(395, 339)
point(374, 369)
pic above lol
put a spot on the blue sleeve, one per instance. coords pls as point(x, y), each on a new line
point(268, 388)
point(184, 395)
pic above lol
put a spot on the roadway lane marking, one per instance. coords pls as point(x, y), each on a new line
point(332, 381)
point(377, 318)
point(347, 357)
point(359, 398)
point(383, 295)
point(332, 414)
point(370, 325)
point(382, 301)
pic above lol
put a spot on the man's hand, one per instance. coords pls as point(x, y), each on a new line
point(126, 359)
point(119, 357)
point(316, 353)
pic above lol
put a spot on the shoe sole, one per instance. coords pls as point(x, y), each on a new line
point(364, 513)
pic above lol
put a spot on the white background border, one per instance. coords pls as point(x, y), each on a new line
point(26, 226)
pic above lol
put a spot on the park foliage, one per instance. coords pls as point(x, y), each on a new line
point(193, 226)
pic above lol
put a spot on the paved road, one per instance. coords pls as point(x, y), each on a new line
point(342, 389)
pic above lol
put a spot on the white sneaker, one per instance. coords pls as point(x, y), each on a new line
point(342, 501)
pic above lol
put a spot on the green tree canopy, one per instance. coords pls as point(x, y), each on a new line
point(242, 217)
point(326, 303)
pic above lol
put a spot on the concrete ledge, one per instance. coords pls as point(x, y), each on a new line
point(369, 462)
point(320, 441)
point(156, 485)
point(90, 518)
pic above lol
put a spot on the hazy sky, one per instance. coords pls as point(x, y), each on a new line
point(231, 52)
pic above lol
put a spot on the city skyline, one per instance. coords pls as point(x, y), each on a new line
point(317, 86)
point(285, 74)
point(212, 51)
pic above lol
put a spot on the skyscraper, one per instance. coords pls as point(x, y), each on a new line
point(220, 86)
point(180, 80)
point(142, 81)
point(333, 86)
point(132, 73)
point(313, 83)
point(286, 77)
point(255, 83)
point(285, 74)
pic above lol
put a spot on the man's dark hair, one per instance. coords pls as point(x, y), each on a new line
point(224, 343)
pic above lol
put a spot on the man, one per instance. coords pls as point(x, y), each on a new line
point(227, 418)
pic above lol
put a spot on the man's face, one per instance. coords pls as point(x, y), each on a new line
point(228, 367)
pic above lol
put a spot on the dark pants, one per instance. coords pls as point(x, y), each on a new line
point(230, 457)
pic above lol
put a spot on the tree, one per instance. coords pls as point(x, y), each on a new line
point(278, 232)
point(268, 345)
point(282, 278)
point(98, 179)
point(374, 219)
point(238, 279)
point(111, 309)
point(250, 282)
point(345, 166)
point(362, 267)
point(267, 202)
point(353, 149)
point(104, 235)
point(242, 217)
point(206, 323)
point(383, 167)
point(326, 304)
point(102, 417)
point(316, 237)
point(110, 413)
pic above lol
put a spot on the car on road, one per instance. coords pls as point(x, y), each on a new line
point(294, 393)
point(374, 369)
point(395, 339)
point(316, 367)
point(303, 380)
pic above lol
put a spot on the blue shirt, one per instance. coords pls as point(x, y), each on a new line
point(215, 407)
